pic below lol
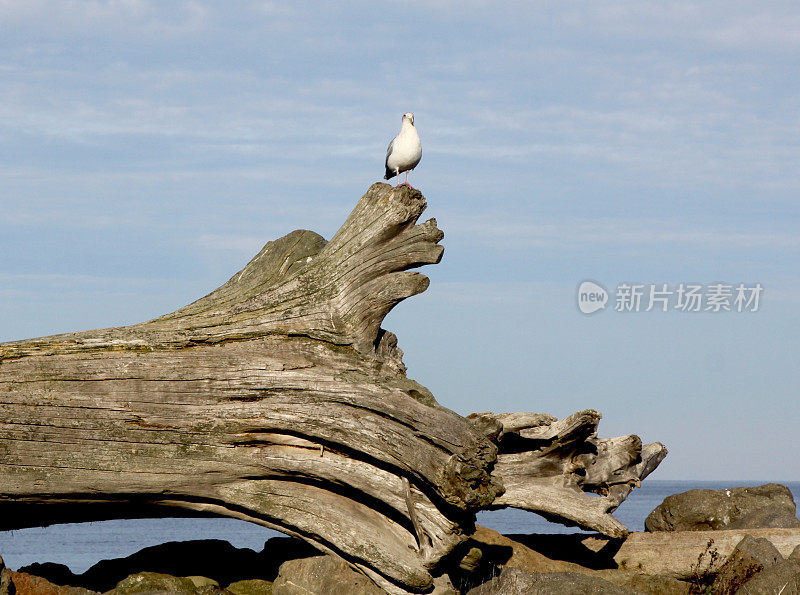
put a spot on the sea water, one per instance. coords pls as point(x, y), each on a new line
point(81, 545)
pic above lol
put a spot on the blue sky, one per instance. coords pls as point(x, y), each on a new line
point(148, 150)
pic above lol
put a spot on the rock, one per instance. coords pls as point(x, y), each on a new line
point(652, 584)
point(27, 584)
point(472, 560)
point(782, 577)
point(442, 585)
point(748, 558)
point(203, 581)
point(6, 586)
point(767, 506)
point(322, 575)
point(576, 553)
point(251, 587)
point(59, 574)
point(143, 582)
point(212, 558)
point(676, 553)
point(795, 555)
point(513, 581)
point(501, 550)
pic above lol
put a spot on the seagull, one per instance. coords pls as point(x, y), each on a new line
point(404, 151)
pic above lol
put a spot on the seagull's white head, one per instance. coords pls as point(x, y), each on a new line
point(408, 116)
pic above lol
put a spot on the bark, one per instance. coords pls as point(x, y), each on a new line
point(278, 399)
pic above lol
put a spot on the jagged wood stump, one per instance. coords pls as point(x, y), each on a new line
point(278, 399)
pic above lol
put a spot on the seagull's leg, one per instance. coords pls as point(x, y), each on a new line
point(406, 182)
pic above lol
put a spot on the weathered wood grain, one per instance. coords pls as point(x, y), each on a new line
point(549, 466)
point(278, 399)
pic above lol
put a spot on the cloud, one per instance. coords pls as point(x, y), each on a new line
point(578, 234)
point(771, 25)
point(101, 17)
point(44, 287)
point(235, 243)
point(666, 113)
point(522, 292)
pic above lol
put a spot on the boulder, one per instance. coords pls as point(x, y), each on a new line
point(214, 558)
point(322, 575)
point(748, 558)
point(202, 582)
point(564, 553)
point(23, 583)
point(795, 555)
point(511, 551)
point(767, 506)
point(6, 586)
point(218, 560)
point(143, 582)
point(60, 574)
point(652, 584)
point(251, 587)
point(513, 581)
point(782, 577)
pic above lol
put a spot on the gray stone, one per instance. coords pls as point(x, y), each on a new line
point(144, 582)
point(322, 575)
point(782, 578)
point(748, 558)
point(767, 506)
point(513, 581)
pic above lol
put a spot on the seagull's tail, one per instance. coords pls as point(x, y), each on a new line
point(389, 174)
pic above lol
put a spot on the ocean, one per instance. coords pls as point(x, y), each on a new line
point(79, 546)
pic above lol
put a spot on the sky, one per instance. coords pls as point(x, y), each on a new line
point(148, 150)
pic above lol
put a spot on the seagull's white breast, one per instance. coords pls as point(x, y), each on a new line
point(406, 149)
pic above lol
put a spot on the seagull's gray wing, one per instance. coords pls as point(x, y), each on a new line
point(389, 151)
point(389, 173)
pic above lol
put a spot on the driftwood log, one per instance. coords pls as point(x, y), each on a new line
point(279, 399)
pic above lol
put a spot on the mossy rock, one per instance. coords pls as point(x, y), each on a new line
point(251, 587)
point(203, 581)
point(153, 581)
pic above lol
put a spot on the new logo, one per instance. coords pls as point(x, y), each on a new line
point(591, 297)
